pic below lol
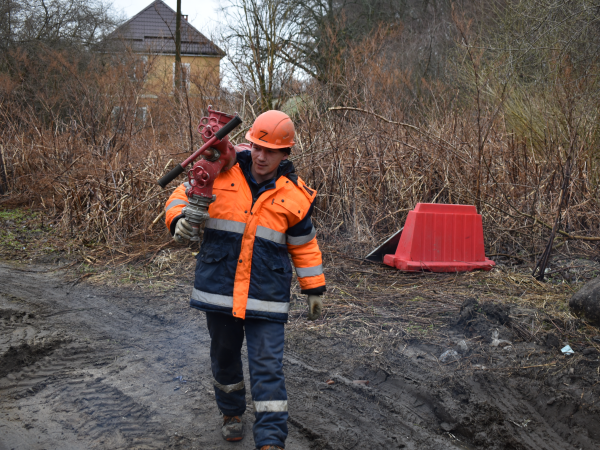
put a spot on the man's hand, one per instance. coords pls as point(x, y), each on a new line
point(183, 231)
point(315, 306)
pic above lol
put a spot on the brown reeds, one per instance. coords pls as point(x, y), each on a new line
point(91, 158)
point(373, 154)
point(89, 153)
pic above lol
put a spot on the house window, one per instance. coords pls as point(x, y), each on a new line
point(137, 69)
point(120, 118)
point(185, 75)
point(118, 121)
point(140, 69)
point(140, 116)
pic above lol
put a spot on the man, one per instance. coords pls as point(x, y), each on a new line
point(243, 275)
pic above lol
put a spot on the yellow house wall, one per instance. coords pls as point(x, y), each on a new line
point(204, 74)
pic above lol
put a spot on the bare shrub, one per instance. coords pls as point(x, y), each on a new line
point(371, 168)
point(89, 152)
point(371, 142)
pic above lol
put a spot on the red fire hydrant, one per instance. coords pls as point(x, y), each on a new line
point(217, 155)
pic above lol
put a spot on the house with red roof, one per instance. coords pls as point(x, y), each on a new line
point(150, 35)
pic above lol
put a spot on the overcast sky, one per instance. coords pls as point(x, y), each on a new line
point(202, 13)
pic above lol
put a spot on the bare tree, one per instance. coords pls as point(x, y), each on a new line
point(258, 33)
point(47, 45)
point(178, 80)
point(326, 29)
point(55, 23)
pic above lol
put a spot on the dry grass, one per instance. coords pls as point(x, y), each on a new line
point(85, 157)
point(379, 308)
point(374, 306)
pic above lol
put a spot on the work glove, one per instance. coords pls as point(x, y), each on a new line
point(315, 306)
point(183, 231)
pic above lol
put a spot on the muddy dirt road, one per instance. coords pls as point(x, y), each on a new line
point(87, 367)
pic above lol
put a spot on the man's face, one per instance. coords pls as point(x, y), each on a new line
point(265, 162)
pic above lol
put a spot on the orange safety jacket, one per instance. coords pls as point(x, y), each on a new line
point(243, 266)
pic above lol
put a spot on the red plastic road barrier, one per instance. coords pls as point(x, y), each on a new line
point(441, 238)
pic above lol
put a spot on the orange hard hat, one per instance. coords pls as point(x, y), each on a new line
point(272, 129)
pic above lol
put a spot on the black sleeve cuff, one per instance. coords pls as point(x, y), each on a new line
point(314, 291)
point(174, 224)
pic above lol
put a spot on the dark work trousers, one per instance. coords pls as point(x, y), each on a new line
point(264, 340)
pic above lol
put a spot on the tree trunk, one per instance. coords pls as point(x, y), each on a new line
point(3, 174)
point(177, 74)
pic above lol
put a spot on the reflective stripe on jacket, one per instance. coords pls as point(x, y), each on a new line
point(176, 202)
point(243, 266)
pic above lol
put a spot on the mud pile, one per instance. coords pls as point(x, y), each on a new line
point(498, 391)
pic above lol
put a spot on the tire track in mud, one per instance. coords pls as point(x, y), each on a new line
point(95, 368)
point(48, 374)
point(52, 369)
point(85, 367)
point(108, 416)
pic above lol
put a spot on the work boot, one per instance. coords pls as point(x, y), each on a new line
point(233, 428)
point(271, 447)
